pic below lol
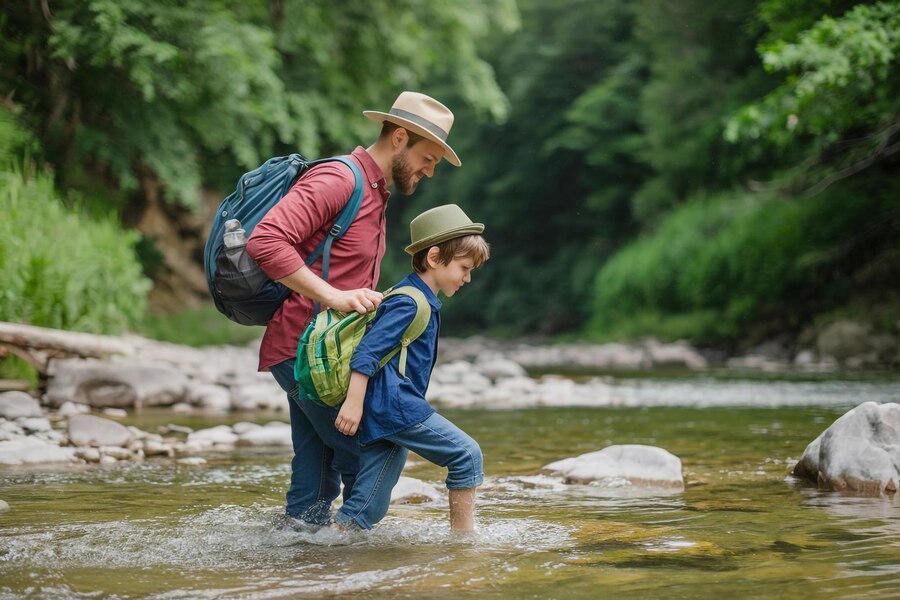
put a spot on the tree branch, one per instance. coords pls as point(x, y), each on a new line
point(853, 169)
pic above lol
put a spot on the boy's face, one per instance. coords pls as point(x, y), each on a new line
point(450, 277)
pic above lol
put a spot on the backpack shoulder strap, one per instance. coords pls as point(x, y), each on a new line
point(342, 223)
point(414, 329)
point(344, 219)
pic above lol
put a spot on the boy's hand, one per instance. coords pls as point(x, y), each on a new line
point(348, 418)
point(350, 415)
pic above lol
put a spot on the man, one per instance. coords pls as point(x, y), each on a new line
point(412, 142)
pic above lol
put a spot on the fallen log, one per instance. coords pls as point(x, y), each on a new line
point(14, 385)
point(37, 345)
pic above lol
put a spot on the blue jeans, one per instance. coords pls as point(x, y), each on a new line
point(323, 457)
point(435, 439)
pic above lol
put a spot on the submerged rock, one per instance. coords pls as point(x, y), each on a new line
point(628, 464)
point(88, 430)
point(413, 491)
point(860, 452)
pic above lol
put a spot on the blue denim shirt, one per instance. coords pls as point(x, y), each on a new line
point(393, 403)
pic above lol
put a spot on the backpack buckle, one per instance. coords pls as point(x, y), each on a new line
point(335, 230)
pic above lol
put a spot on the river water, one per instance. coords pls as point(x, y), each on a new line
point(741, 528)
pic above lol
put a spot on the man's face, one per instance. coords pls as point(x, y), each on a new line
point(410, 165)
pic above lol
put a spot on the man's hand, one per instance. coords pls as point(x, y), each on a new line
point(348, 418)
point(362, 300)
point(304, 281)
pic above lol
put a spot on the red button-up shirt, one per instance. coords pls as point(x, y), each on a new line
point(293, 228)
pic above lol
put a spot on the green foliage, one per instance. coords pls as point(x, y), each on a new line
point(589, 132)
point(61, 269)
point(716, 266)
point(130, 91)
point(702, 68)
point(162, 83)
point(553, 182)
point(842, 81)
point(199, 326)
point(15, 368)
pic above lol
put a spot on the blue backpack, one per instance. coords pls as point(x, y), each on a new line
point(239, 288)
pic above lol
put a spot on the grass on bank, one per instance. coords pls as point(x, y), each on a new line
point(750, 267)
point(198, 326)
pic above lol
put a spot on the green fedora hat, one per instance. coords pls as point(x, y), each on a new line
point(440, 224)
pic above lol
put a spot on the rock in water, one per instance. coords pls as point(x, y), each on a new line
point(413, 491)
point(860, 452)
point(638, 465)
point(88, 430)
point(32, 450)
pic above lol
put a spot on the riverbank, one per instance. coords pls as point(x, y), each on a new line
point(75, 416)
point(134, 373)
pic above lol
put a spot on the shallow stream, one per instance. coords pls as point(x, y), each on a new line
point(743, 528)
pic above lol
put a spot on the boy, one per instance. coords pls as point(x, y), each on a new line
point(391, 412)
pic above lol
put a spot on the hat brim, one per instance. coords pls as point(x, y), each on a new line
point(380, 117)
point(456, 232)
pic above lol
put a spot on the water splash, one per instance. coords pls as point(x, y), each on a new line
point(238, 536)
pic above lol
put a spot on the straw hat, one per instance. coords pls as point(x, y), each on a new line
point(423, 115)
point(440, 224)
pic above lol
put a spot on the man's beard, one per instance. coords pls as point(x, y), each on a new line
point(402, 174)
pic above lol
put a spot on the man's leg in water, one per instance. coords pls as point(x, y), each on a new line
point(314, 482)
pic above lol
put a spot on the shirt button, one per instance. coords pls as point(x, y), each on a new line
point(374, 184)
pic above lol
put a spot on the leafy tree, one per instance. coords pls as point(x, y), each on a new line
point(702, 68)
point(746, 267)
point(838, 104)
point(553, 182)
point(132, 91)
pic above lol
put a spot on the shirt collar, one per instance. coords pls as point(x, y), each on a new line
point(414, 280)
point(372, 172)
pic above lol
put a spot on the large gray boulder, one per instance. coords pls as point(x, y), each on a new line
point(120, 384)
point(627, 464)
point(88, 430)
point(860, 452)
point(16, 405)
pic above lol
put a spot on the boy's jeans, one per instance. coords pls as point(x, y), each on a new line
point(323, 456)
point(435, 439)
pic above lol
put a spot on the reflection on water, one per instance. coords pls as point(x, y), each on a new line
point(742, 526)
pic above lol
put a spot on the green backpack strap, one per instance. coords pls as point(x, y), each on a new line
point(415, 328)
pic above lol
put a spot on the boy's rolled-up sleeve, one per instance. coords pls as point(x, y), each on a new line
point(394, 316)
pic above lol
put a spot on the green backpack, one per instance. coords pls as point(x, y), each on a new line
point(322, 368)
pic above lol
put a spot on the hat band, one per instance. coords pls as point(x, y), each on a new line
point(426, 124)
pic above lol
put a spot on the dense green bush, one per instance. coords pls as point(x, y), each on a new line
point(716, 267)
point(58, 267)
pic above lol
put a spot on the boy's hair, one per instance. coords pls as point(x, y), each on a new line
point(387, 129)
point(468, 246)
